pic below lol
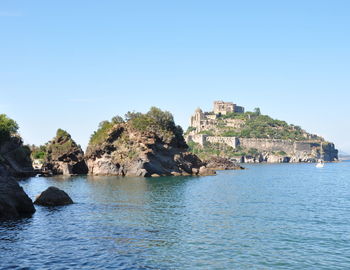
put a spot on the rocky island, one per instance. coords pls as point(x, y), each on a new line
point(250, 137)
point(147, 145)
point(63, 156)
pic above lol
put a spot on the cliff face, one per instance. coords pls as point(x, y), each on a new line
point(15, 158)
point(283, 151)
point(252, 150)
point(64, 156)
point(127, 151)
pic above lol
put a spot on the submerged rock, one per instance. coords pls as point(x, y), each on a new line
point(53, 196)
point(14, 202)
point(64, 156)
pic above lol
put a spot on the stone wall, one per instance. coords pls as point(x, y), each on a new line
point(230, 141)
point(262, 145)
point(268, 145)
point(296, 151)
point(197, 138)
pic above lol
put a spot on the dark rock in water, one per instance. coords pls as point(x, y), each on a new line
point(220, 163)
point(64, 156)
point(204, 171)
point(14, 202)
point(15, 158)
point(53, 197)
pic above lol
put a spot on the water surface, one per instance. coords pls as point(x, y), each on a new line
point(285, 216)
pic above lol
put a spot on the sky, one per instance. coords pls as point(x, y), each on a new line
point(71, 64)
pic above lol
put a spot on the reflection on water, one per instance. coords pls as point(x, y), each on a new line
point(267, 217)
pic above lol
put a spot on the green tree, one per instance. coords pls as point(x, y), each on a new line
point(8, 127)
point(257, 111)
point(117, 119)
point(132, 115)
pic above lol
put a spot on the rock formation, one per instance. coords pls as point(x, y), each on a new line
point(15, 158)
point(220, 163)
point(146, 145)
point(64, 156)
point(14, 202)
point(53, 196)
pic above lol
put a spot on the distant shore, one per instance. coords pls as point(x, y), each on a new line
point(344, 158)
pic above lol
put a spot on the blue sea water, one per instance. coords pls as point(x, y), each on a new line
point(285, 216)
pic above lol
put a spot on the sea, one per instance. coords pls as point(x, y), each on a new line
point(269, 216)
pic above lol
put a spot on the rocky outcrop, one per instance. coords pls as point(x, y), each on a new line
point(220, 163)
point(53, 196)
point(127, 151)
point(15, 158)
point(64, 156)
point(14, 202)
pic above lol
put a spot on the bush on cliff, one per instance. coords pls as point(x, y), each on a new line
point(260, 126)
point(38, 152)
point(155, 120)
point(8, 127)
point(61, 144)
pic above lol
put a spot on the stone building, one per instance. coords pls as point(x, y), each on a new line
point(201, 121)
point(205, 120)
point(221, 107)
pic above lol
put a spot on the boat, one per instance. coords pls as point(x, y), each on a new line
point(320, 164)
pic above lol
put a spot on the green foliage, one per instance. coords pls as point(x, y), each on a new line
point(233, 115)
point(117, 119)
point(281, 153)
point(253, 151)
point(257, 111)
point(8, 127)
point(261, 126)
point(190, 129)
point(38, 152)
point(207, 132)
point(62, 133)
point(214, 150)
point(230, 133)
point(156, 120)
point(101, 134)
point(132, 115)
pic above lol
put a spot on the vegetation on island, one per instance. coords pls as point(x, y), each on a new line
point(215, 150)
point(16, 151)
point(61, 144)
point(38, 152)
point(155, 120)
point(8, 128)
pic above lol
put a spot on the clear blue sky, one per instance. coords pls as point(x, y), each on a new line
point(72, 64)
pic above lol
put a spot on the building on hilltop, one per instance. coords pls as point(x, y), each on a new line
point(201, 120)
point(221, 107)
point(206, 120)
